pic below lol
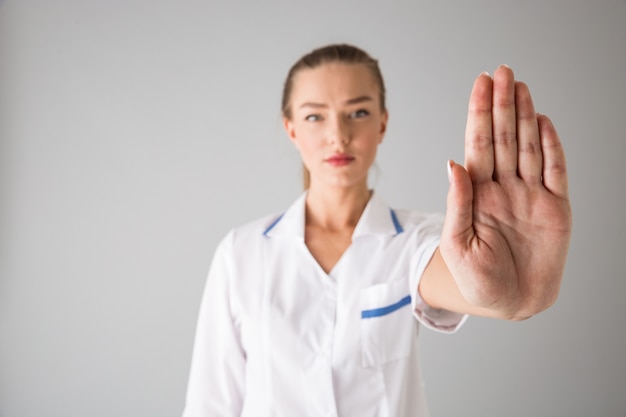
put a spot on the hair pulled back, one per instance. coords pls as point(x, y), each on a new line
point(335, 53)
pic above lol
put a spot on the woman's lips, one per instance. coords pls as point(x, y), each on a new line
point(339, 160)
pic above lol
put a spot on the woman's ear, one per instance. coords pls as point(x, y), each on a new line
point(383, 125)
point(289, 129)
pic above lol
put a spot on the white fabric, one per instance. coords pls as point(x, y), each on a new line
point(277, 336)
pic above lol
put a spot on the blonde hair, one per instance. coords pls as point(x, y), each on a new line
point(343, 53)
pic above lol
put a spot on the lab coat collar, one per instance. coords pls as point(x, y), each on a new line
point(377, 219)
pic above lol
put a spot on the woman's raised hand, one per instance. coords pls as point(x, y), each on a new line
point(508, 220)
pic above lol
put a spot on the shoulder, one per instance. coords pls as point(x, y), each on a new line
point(412, 217)
point(414, 221)
point(242, 247)
point(249, 236)
point(250, 232)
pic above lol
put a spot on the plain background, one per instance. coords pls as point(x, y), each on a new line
point(135, 133)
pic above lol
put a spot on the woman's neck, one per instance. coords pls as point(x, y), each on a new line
point(336, 208)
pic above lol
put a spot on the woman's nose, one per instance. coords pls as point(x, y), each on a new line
point(338, 132)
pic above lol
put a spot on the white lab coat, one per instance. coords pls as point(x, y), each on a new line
point(277, 336)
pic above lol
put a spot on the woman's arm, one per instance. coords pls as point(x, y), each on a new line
point(216, 379)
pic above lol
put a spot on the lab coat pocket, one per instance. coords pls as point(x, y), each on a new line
point(386, 323)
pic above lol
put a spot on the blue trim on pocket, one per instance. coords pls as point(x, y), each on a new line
point(377, 312)
point(396, 223)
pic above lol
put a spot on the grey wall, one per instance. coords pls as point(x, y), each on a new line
point(134, 134)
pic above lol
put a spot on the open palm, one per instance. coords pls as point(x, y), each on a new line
point(508, 222)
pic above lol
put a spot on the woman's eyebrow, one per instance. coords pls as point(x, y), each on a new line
point(359, 99)
point(355, 100)
point(311, 104)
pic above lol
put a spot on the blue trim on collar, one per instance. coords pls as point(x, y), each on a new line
point(394, 219)
point(396, 223)
point(271, 226)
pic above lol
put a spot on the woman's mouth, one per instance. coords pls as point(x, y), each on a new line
point(339, 160)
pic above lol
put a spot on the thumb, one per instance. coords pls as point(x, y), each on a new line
point(458, 224)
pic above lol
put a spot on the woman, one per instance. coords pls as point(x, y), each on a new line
point(313, 312)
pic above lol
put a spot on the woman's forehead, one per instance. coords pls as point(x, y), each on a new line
point(333, 82)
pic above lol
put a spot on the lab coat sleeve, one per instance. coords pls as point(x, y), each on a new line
point(216, 379)
point(441, 320)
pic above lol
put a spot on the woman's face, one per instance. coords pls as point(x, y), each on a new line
point(337, 123)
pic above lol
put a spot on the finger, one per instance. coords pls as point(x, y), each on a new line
point(554, 166)
point(478, 133)
point(504, 123)
point(530, 159)
point(459, 214)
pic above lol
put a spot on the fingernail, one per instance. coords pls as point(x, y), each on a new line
point(504, 66)
point(485, 73)
point(450, 163)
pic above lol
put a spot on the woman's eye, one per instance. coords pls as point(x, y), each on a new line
point(313, 118)
point(359, 113)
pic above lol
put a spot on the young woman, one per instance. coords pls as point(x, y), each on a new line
point(316, 311)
